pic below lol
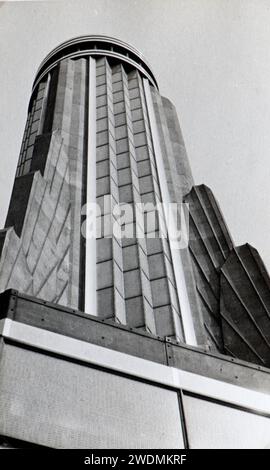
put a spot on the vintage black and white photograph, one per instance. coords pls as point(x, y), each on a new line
point(134, 227)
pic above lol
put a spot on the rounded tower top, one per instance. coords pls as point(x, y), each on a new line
point(95, 45)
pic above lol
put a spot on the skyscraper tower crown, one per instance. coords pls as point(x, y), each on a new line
point(95, 46)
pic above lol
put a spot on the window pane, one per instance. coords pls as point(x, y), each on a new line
point(215, 426)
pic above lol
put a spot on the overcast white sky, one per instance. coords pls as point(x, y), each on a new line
point(210, 57)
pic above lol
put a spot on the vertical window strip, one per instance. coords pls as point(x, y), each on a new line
point(118, 276)
point(174, 302)
point(26, 152)
point(147, 302)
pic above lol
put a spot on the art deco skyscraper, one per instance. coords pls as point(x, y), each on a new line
point(92, 131)
point(97, 126)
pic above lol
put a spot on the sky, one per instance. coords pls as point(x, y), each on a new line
point(211, 58)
